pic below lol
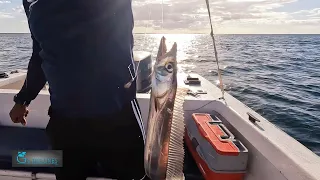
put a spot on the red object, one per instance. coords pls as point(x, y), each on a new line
point(222, 146)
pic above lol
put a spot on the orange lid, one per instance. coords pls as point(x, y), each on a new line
point(213, 133)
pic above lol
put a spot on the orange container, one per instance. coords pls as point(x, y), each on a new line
point(218, 155)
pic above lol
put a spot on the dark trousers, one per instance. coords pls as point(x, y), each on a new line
point(114, 143)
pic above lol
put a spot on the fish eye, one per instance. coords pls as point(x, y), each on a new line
point(169, 67)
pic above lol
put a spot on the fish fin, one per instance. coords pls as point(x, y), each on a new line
point(177, 130)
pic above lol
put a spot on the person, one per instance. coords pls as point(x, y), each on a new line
point(83, 49)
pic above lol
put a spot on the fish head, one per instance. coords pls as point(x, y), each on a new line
point(165, 71)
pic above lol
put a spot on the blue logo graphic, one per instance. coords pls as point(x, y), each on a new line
point(21, 157)
point(37, 158)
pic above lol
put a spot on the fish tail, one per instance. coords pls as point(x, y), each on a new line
point(176, 148)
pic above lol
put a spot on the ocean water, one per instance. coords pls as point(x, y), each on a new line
point(276, 75)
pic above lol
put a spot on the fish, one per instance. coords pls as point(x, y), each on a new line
point(164, 150)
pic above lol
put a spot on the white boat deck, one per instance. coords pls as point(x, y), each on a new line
point(273, 155)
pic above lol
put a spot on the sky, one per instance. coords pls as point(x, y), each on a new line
point(190, 16)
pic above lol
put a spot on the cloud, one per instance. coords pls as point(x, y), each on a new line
point(308, 13)
point(18, 9)
point(10, 10)
point(192, 14)
point(229, 16)
point(5, 15)
point(12, 17)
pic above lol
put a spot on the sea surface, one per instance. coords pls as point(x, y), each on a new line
point(278, 76)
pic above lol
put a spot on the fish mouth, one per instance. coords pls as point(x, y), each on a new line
point(164, 54)
point(162, 48)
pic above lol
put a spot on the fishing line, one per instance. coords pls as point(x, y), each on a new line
point(217, 61)
point(215, 50)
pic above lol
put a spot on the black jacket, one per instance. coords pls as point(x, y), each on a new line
point(83, 49)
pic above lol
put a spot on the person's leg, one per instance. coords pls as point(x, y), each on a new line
point(67, 135)
point(126, 146)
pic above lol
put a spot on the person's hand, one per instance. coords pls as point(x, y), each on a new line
point(19, 113)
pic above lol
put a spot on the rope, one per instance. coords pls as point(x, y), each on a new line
point(215, 51)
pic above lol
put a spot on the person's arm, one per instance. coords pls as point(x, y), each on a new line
point(35, 79)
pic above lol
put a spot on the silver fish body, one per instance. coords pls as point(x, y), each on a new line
point(162, 99)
